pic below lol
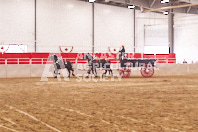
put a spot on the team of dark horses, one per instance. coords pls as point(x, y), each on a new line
point(93, 64)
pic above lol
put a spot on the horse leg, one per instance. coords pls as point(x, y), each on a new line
point(110, 71)
point(88, 73)
point(72, 72)
point(55, 73)
point(96, 73)
point(104, 74)
point(69, 73)
point(93, 72)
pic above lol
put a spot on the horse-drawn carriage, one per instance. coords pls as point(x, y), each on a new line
point(126, 65)
point(146, 65)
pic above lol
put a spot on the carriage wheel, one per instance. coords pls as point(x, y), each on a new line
point(125, 73)
point(147, 70)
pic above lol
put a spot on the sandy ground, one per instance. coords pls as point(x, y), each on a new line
point(160, 103)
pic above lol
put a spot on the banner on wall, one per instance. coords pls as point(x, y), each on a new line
point(13, 48)
point(114, 50)
point(66, 49)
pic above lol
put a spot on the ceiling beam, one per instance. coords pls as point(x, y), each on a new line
point(189, 9)
point(151, 5)
point(189, 1)
point(185, 10)
point(171, 7)
point(143, 3)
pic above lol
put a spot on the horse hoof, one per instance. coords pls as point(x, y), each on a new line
point(96, 75)
point(55, 77)
point(103, 76)
point(73, 75)
point(68, 77)
point(87, 76)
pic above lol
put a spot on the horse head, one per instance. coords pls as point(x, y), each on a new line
point(88, 57)
point(52, 57)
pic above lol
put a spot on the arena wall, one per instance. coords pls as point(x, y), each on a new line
point(69, 23)
point(146, 19)
point(176, 69)
point(113, 27)
point(17, 22)
point(186, 47)
point(64, 23)
point(34, 64)
point(3, 73)
point(37, 70)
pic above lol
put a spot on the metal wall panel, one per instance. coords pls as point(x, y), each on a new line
point(113, 27)
point(17, 22)
point(64, 23)
point(143, 19)
point(186, 32)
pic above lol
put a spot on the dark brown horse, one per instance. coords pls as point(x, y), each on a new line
point(94, 63)
point(59, 64)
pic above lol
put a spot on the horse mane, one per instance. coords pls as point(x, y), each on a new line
point(90, 56)
point(55, 57)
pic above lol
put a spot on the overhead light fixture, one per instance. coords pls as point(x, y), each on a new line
point(165, 12)
point(131, 6)
point(92, 1)
point(164, 1)
point(141, 9)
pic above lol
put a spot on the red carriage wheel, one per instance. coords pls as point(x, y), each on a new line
point(147, 70)
point(125, 73)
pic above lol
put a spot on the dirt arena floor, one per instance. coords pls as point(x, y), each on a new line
point(136, 104)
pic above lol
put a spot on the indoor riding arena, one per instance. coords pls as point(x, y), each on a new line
point(98, 65)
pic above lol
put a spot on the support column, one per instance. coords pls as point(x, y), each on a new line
point(93, 27)
point(134, 33)
point(35, 27)
point(171, 31)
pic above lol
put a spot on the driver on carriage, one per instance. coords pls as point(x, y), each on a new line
point(122, 51)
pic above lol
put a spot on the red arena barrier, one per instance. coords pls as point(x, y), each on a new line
point(41, 58)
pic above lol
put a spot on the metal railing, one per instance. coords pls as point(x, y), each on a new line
point(6, 61)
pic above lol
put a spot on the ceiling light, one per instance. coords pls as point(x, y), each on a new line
point(131, 6)
point(165, 12)
point(164, 1)
point(91, 1)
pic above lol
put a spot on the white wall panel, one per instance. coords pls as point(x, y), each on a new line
point(64, 23)
point(35, 70)
point(18, 71)
point(186, 32)
point(17, 22)
point(3, 73)
point(145, 19)
point(156, 35)
point(113, 27)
